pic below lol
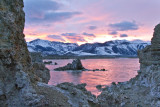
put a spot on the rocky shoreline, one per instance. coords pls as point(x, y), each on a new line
point(23, 79)
point(143, 90)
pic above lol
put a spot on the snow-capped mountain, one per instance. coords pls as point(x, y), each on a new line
point(50, 48)
point(116, 47)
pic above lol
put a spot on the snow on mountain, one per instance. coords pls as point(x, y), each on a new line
point(116, 47)
point(50, 48)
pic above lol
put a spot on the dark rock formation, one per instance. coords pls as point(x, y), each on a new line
point(47, 62)
point(39, 68)
point(151, 54)
point(18, 76)
point(36, 57)
point(143, 90)
point(55, 63)
point(15, 63)
point(75, 65)
point(78, 95)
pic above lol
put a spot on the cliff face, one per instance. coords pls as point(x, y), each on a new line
point(151, 54)
point(143, 90)
point(12, 43)
point(14, 58)
point(17, 75)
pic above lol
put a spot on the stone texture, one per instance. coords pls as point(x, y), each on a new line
point(151, 54)
point(39, 68)
point(78, 95)
point(15, 62)
point(75, 65)
point(36, 57)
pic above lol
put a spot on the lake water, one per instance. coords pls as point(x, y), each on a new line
point(118, 70)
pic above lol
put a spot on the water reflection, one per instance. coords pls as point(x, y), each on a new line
point(119, 70)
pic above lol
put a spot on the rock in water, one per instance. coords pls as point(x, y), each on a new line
point(48, 62)
point(75, 65)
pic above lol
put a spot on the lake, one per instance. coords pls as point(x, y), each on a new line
point(118, 70)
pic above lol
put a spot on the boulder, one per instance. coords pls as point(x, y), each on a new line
point(78, 95)
point(36, 57)
point(42, 72)
point(39, 68)
point(55, 63)
point(75, 65)
point(48, 62)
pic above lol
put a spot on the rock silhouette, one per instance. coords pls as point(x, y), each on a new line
point(75, 65)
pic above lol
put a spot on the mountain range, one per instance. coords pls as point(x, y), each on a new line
point(115, 47)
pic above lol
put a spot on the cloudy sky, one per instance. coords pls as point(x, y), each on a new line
point(81, 21)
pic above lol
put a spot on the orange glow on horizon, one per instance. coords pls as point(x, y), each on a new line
point(144, 34)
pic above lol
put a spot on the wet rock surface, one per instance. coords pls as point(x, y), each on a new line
point(75, 65)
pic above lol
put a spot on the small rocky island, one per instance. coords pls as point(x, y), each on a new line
point(22, 83)
point(75, 65)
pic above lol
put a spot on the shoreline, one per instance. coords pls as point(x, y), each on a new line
point(86, 57)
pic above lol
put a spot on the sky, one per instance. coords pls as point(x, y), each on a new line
point(89, 21)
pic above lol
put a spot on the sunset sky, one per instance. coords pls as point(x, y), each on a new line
point(81, 21)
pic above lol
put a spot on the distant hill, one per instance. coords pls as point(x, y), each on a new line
point(116, 47)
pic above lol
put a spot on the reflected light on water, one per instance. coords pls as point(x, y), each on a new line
point(118, 70)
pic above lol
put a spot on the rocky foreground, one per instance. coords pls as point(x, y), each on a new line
point(23, 79)
point(144, 89)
